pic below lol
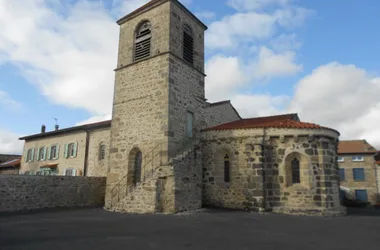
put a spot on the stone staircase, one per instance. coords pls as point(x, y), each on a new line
point(142, 197)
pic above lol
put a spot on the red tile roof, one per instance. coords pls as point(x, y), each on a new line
point(378, 162)
point(278, 121)
point(355, 146)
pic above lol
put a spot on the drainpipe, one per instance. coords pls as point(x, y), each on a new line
point(377, 181)
point(86, 152)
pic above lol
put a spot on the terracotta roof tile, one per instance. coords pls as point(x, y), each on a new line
point(378, 162)
point(279, 121)
point(355, 146)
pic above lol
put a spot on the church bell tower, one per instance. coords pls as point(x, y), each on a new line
point(157, 109)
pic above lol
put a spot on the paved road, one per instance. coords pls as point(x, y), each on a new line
point(208, 229)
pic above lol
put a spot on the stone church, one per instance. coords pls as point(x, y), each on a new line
point(168, 150)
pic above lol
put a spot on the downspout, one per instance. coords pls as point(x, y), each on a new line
point(263, 165)
point(85, 169)
point(377, 180)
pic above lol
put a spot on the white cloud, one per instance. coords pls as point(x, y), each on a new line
point(252, 27)
point(68, 57)
point(225, 76)
point(9, 143)
point(342, 97)
point(94, 119)
point(7, 103)
point(252, 105)
point(270, 64)
point(232, 30)
point(205, 14)
point(244, 5)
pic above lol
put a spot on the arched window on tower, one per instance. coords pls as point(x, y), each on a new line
point(143, 41)
point(137, 168)
point(227, 170)
point(296, 171)
point(188, 44)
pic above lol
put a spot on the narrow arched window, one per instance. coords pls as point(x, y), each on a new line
point(227, 176)
point(137, 168)
point(188, 44)
point(143, 41)
point(296, 171)
point(102, 152)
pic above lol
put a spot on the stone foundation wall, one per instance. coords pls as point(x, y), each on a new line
point(140, 199)
point(36, 192)
point(188, 181)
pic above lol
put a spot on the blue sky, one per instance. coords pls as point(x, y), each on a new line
point(316, 58)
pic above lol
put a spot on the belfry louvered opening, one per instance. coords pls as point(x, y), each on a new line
point(143, 41)
point(188, 44)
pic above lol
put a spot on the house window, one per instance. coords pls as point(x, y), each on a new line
point(54, 152)
point(227, 176)
point(71, 150)
point(70, 172)
point(358, 174)
point(340, 159)
point(44, 172)
point(296, 171)
point(41, 154)
point(142, 41)
point(361, 195)
point(189, 127)
point(342, 175)
point(188, 44)
point(357, 158)
point(102, 152)
point(30, 155)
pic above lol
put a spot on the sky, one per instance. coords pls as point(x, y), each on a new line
point(319, 59)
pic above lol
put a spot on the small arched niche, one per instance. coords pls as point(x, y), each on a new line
point(135, 166)
point(297, 170)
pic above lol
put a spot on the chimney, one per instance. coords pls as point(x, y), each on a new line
point(56, 127)
point(43, 129)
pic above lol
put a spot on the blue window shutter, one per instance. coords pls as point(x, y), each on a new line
point(358, 174)
point(26, 156)
point(57, 152)
point(49, 153)
point(66, 150)
point(75, 149)
point(32, 159)
point(38, 154)
point(342, 175)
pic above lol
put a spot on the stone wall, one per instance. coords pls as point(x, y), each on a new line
point(370, 182)
point(97, 166)
point(261, 177)
point(220, 113)
point(36, 192)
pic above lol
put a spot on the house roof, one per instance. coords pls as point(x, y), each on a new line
point(213, 104)
point(153, 3)
point(355, 146)
point(277, 121)
point(10, 163)
point(91, 126)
